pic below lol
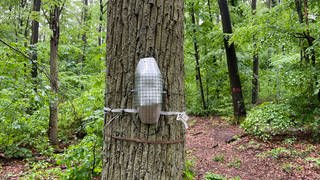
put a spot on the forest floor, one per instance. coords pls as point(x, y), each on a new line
point(214, 146)
point(11, 169)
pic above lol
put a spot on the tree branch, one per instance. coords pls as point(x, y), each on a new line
point(61, 8)
point(42, 69)
point(45, 16)
point(15, 49)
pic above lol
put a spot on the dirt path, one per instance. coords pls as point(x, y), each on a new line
point(248, 158)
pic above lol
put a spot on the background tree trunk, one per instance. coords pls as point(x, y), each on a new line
point(298, 4)
point(255, 65)
point(85, 28)
point(237, 97)
point(197, 57)
point(138, 29)
point(210, 11)
point(54, 42)
point(102, 12)
point(308, 37)
point(33, 43)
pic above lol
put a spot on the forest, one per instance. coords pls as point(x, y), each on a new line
point(246, 73)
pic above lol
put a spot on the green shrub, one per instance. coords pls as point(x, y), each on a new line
point(236, 163)
point(276, 153)
point(212, 176)
point(218, 158)
point(42, 170)
point(315, 161)
point(268, 119)
point(21, 131)
point(83, 160)
point(188, 173)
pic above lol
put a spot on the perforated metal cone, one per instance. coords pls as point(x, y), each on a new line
point(148, 90)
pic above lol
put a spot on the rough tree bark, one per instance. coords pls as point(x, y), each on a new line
point(197, 56)
point(237, 97)
point(33, 43)
point(138, 29)
point(54, 20)
point(255, 66)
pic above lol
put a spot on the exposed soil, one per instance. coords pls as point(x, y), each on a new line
point(246, 157)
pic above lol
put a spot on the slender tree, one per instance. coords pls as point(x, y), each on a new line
point(138, 29)
point(33, 43)
point(236, 91)
point(54, 24)
point(298, 4)
point(255, 66)
point(210, 11)
point(101, 14)
point(305, 36)
point(197, 56)
point(85, 28)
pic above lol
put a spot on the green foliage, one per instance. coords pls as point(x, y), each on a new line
point(282, 152)
point(268, 119)
point(42, 170)
point(235, 163)
point(21, 126)
point(276, 153)
point(218, 158)
point(188, 172)
point(289, 141)
point(315, 161)
point(289, 167)
point(83, 160)
point(76, 112)
point(211, 176)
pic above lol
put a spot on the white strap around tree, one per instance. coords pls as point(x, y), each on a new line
point(181, 116)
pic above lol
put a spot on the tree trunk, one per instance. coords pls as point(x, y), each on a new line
point(197, 57)
point(84, 35)
point(54, 42)
point(309, 38)
point(237, 97)
point(133, 150)
point(255, 66)
point(298, 4)
point(33, 43)
point(100, 22)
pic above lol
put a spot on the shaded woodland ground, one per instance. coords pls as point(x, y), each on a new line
point(214, 146)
